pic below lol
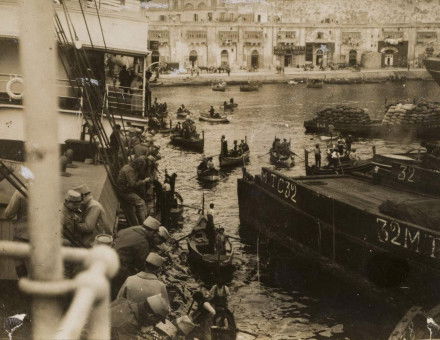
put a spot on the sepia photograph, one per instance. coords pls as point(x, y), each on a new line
point(220, 169)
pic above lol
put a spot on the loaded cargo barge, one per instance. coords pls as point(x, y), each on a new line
point(337, 221)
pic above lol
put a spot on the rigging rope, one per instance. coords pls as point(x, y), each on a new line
point(100, 25)
point(85, 21)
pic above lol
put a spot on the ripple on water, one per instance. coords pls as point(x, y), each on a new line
point(298, 312)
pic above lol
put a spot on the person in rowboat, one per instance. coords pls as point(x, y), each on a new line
point(220, 241)
point(224, 146)
point(210, 164)
point(212, 111)
point(276, 145)
point(244, 147)
point(210, 228)
point(317, 152)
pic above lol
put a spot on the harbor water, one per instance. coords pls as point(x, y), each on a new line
point(294, 301)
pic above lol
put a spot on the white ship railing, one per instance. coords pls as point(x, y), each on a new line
point(123, 100)
point(91, 301)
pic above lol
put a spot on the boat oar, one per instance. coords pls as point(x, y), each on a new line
point(233, 237)
point(264, 154)
point(189, 206)
point(183, 237)
point(246, 332)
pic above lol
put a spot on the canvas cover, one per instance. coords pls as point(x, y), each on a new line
point(422, 211)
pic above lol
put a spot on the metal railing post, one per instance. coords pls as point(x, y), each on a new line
point(38, 61)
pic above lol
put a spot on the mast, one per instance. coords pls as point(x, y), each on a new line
point(38, 61)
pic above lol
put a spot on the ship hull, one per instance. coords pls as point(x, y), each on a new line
point(432, 65)
point(340, 238)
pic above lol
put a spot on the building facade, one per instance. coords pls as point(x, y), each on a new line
point(245, 34)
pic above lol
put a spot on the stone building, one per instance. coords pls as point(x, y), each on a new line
point(246, 34)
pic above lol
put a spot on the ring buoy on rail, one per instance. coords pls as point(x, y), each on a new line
point(10, 83)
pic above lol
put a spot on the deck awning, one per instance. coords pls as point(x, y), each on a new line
point(123, 33)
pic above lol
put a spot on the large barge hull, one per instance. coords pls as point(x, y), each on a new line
point(371, 249)
point(432, 65)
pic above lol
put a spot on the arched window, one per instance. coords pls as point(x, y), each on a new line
point(201, 5)
point(255, 59)
point(193, 57)
point(224, 58)
point(155, 56)
point(189, 6)
point(352, 58)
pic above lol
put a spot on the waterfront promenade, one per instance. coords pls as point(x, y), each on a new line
point(270, 77)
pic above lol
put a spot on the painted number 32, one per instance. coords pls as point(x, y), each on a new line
point(406, 173)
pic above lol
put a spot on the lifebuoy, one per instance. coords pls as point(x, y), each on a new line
point(9, 88)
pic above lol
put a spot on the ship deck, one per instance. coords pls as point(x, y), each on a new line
point(358, 192)
point(95, 176)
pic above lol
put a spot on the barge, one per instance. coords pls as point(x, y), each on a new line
point(340, 221)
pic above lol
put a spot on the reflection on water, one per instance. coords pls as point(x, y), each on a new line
point(287, 300)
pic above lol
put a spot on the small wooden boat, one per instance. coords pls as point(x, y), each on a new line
point(229, 106)
point(249, 87)
point(183, 114)
point(208, 175)
point(208, 118)
point(282, 161)
point(192, 144)
point(232, 161)
point(219, 87)
point(315, 83)
point(199, 255)
point(345, 167)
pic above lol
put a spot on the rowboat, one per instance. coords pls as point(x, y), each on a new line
point(198, 247)
point(315, 83)
point(232, 161)
point(282, 161)
point(249, 87)
point(219, 87)
point(208, 175)
point(183, 114)
point(192, 144)
point(229, 106)
point(344, 167)
point(207, 118)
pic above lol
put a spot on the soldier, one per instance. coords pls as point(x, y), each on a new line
point(93, 215)
point(133, 245)
point(145, 283)
point(72, 234)
point(130, 184)
point(127, 318)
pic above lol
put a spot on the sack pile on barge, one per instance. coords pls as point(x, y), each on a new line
point(420, 113)
point(343, 114)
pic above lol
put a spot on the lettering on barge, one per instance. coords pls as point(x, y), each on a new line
point(282, 186)
point(410, 238)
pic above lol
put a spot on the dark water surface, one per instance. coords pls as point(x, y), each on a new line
point(298, 303)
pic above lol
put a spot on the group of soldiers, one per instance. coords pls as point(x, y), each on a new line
point(282, 148)
point(335, 152)
point(236, 151)
point(141, 301)
point(139, 188)
point(187, 129)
